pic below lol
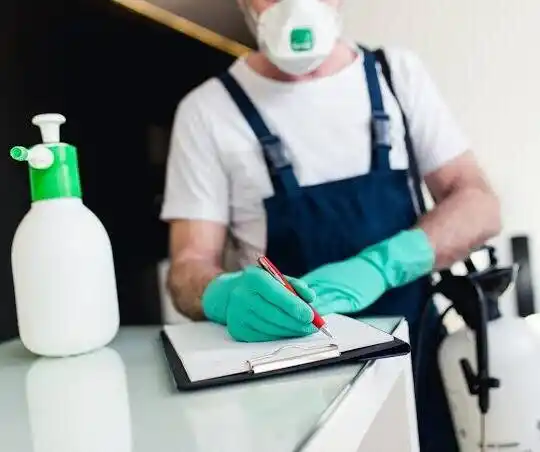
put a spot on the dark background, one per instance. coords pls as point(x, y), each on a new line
point(117, 77)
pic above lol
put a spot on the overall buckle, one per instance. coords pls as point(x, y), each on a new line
point(381, 128)
point(273, 152)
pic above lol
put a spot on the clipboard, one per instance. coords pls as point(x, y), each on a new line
point(283, 360)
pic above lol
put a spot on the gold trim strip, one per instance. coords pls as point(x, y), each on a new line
point(186, 26)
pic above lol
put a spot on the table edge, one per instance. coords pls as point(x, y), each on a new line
point(338, 399)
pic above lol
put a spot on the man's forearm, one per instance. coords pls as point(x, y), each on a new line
point(463, 221)
point(187, 281)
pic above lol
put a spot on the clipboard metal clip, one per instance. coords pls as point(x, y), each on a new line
point(292, 355)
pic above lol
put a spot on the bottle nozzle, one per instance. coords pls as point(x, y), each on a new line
point(49, 125)
point(19, 153)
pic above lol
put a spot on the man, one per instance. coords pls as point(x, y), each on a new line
point(287, 154)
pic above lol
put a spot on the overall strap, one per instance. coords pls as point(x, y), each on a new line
point(413, 162)
point(381, 143)
point(279, 167)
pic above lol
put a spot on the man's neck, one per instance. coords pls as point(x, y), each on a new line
point(342, 56)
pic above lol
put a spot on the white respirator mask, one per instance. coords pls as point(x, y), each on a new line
point(297, 35)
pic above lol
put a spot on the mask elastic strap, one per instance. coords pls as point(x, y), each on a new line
point(250, 17)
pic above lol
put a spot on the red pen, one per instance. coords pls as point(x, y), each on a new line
point(318, 321)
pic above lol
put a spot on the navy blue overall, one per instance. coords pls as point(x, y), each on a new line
point(314, 225)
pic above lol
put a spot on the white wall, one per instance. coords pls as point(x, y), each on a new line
point(484, 56)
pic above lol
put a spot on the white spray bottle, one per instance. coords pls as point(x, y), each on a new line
point(62, 260)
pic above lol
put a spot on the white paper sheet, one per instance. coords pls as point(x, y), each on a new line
point(207, 350)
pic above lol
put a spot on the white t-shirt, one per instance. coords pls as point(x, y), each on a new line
point(216, 169)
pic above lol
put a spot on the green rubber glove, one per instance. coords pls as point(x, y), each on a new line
point(256, 308)
point(354, 284)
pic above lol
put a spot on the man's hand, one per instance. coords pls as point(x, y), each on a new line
point(255, 307)
point(196, 250)
point(466, 214)
point(354, 284)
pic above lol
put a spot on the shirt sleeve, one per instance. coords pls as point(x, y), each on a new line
point(196, 186)
point(435, 134)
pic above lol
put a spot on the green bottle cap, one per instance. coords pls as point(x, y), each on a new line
point(53, 166)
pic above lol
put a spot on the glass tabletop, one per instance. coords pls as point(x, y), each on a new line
point(122, 399)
